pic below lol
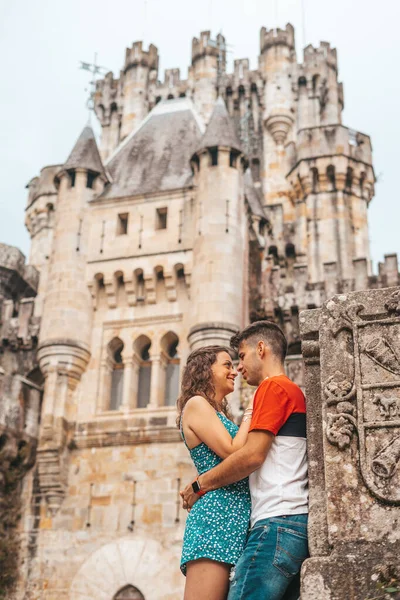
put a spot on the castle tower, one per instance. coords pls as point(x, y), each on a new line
point(333, 183)
point(219, 250)
point(140, 67)
point(65, 328)
point(208, 64)
point(319, 94)
point(277, 59)
point(108, 105)
point(39, 220)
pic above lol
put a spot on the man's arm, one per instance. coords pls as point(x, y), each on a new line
point(235, 467)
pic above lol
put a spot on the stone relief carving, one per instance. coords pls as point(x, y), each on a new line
point(387, 460)
point(381, 351)
point(340, 392)
point(387, 407)
point(393, 304)
point(368, 404)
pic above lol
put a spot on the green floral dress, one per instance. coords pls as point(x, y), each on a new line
point(217, 525)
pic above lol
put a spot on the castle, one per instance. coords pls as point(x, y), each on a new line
point(211, 201)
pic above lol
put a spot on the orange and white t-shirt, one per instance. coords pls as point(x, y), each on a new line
point(280, 486)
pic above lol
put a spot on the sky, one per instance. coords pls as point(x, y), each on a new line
point(43, 97)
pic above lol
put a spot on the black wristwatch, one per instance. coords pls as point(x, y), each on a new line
point(196, 487)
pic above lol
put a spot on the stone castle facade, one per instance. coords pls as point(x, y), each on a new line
point(211, 201)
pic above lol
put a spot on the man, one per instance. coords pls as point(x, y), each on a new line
point(275, 458)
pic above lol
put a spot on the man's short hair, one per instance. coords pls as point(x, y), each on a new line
point(265, 331)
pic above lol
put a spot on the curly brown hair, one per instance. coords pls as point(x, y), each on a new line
point(197, 379)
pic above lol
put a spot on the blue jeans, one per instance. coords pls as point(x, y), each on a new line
point(269, 568)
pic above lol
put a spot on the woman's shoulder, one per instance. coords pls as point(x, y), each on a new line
point(198, 403)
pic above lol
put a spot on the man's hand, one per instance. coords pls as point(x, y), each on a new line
point(189, 497)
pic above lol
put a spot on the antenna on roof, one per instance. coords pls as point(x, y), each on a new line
point(94, 69)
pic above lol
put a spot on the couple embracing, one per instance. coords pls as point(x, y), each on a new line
point(246, 532)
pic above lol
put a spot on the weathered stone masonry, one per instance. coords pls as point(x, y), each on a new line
point(211, 201)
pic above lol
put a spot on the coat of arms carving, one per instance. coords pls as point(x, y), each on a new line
point(368, 402)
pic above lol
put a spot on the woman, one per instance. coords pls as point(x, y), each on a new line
point(217, 525)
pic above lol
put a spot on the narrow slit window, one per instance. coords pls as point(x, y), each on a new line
point(90, 179)
point(122, 224)
point(161, 218)
point(214, 156)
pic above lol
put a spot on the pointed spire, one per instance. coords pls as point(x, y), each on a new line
point(85, 154)
point(220, 129)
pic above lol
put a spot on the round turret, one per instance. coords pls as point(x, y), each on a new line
point(219, 246)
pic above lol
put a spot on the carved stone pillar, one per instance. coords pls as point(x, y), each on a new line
point(351, 349)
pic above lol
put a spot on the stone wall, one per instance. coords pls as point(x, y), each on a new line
point(351, 349)
point(20, 395)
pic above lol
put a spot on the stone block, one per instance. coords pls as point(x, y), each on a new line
point(351, 348)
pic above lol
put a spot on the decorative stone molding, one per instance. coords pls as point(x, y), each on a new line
point(128, 561)
point(279, 126)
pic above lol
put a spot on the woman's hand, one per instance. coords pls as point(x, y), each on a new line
point(189, 497)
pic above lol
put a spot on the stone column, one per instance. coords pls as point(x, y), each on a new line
point(351, 349)
point(157, 381)
point(127, 387)
point(103, 400)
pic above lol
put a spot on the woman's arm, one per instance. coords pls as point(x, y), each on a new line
point(201, 419)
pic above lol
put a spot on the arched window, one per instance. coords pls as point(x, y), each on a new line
point(273, 250)
point(115, 348)
point(302, 81)
point(331, 176)
point(158, 99)
point(169, 345)
point(140, 291)
point(129, 592)
point(363, 177)
point(315, 180)
point(255, 169)
point(349, 179)
point(315, 81)
point(213, 156)
point(290, 251)
point(170, 97)
point(142, 350)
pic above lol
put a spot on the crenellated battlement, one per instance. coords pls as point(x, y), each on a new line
point(277, 37)
point(43, 185)
point(18, 286)
point(205, 46)
point(136, 56)
point(287, 289)
point(17, 280)
point(19, 328)
point(316, 57)
point(107, 98)
point(330, 158)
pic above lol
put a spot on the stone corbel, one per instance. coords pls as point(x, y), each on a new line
point(111, 292)
point(150, 288)
point(130, 289)
point(170, 286)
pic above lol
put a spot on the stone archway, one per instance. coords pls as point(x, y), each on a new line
point(129, 592)
point(141, 564)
